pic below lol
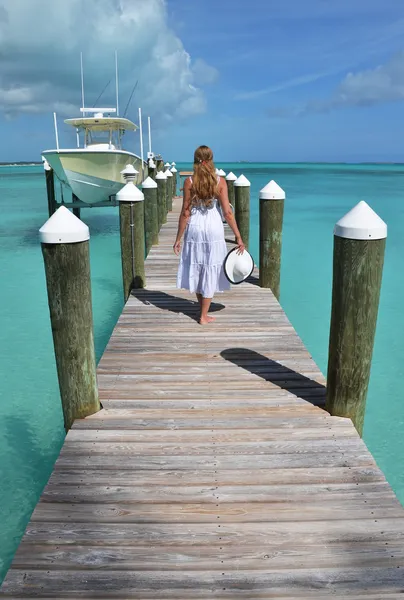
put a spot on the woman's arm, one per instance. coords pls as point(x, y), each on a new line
point(184, 215)
point(228, 213)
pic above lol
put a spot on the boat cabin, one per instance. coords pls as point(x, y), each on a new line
point(101, 132)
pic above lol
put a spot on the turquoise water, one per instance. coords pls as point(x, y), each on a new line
point(31, 428)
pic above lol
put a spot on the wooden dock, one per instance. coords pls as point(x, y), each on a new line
point(212, 470)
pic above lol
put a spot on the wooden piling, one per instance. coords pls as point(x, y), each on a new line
point(230, 179)
point(159, 164)
point(272, 199)
point(76, 210)
point(131, 215)
point(170, 181)
point(175, 184)
point(161, 181)
point(149, 188)
point(50, 189)
point(359, 243)
point(242, 211)
point(65, 249)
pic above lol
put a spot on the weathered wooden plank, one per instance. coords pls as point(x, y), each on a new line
point(268, 461)
point(266, 583)
point(75, 475)
point(178, 558)
point(226, 512)
point(204, 436)
point(268, 534)
point(278, 447)
point(213, 493)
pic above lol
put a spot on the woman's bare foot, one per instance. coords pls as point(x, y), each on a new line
point(206, 320)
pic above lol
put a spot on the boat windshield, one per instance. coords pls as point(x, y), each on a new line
point(109, 138)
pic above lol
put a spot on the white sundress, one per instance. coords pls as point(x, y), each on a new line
point(204, 250)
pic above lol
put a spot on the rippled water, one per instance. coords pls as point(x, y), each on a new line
point(31, 427)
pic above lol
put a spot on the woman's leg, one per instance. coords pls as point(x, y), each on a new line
point(205, 305)
point(199, 297)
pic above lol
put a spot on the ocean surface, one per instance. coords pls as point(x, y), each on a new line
point(317, 195)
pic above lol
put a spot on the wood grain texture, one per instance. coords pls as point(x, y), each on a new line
point(357, 277)
point(271, 225)
point(242, 212)
point(50, 191)
point(161, 201)
point(213, 470)
point(67, 268)
point(231, 194)
point(151, 226)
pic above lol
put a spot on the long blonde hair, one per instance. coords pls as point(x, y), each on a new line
point(204, 181)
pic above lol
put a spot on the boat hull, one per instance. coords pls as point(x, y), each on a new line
point(93, 176)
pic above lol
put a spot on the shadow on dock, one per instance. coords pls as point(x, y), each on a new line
point(303, 387)
point(189, 308)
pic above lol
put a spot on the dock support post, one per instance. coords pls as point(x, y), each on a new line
point(159, 164)
point(230, 179)
point(272, 200)
point(131, 216)
point(76, 211)
point(50, 189)
point(242, 209)
point(161, 180)
point(65, 249)
point(150, 213)
point(359, 243)
point(175, 185)
point(170, 182)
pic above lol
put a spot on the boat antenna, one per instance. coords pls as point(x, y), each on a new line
point(82, 81)
point(141, 140)
point(149, 124)
point(95, 103)
point(55, 123)
point(116, 83)
point(130, 97)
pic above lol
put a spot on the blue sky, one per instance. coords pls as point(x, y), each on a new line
point(269, 80)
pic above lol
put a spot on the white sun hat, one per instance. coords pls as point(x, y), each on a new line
point(238, 267)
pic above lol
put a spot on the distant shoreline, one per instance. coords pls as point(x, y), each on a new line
point(225, 162)
point(20, 163)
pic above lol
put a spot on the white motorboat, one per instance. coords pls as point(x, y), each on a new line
point(93, 171)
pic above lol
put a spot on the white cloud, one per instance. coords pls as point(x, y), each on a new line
point(204, 74)
point(384, 83)
point(40, 45)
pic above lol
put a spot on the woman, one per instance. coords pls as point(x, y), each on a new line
point(201, 265)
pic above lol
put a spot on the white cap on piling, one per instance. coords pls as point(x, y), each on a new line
point(272, 191)
point(63, 227)
point(168, 173)
point(167, 164)
point(242, 181)
point(129, 170)
point(130, 193)
point(173, 164)
point(222, 173)
point(161, 175)
point(149, 183)
point(231, 176)
point(173, 170)
point(152, 164)
point(361, 223)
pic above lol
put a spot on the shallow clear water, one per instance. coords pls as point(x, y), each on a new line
point(31, 427)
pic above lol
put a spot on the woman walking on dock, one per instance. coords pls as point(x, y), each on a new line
point(201, 265)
